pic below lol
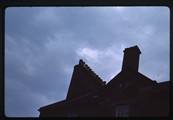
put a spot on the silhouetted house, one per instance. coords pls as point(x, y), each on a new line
point(129, 93)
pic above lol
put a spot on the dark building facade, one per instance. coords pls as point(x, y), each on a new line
point(128, 94)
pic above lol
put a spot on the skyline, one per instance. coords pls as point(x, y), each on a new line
point(43, 44)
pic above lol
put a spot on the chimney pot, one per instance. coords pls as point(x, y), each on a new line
point(81, 62)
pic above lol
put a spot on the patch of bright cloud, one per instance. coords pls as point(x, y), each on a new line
point(89, 54)
point(97, 58)
point(120, 9)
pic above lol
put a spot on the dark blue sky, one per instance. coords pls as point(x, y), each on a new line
point(43, 44)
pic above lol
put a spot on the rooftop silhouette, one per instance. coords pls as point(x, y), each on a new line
point(128, 94)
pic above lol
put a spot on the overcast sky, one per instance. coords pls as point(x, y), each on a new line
point(43, 44)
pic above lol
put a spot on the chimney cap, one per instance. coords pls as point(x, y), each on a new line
point(133, 49)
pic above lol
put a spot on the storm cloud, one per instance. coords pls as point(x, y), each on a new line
point(42, 45)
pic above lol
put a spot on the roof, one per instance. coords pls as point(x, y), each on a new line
point(79, 100)
point(97, 98)
point(131, 75)
point(164, 85)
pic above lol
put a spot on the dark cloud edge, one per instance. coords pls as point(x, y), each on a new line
point(37, 3)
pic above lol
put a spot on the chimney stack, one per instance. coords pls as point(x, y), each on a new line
point(131, 58)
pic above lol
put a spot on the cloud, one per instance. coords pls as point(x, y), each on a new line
point(89, 54)
point(25, 70)
point(97, 58)
point(46, 16)
point(23, 94)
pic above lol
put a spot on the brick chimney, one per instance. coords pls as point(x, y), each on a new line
point(131, 58)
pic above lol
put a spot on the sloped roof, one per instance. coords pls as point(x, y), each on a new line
point(130, 76)
point(164, 85)
point(79, 100)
